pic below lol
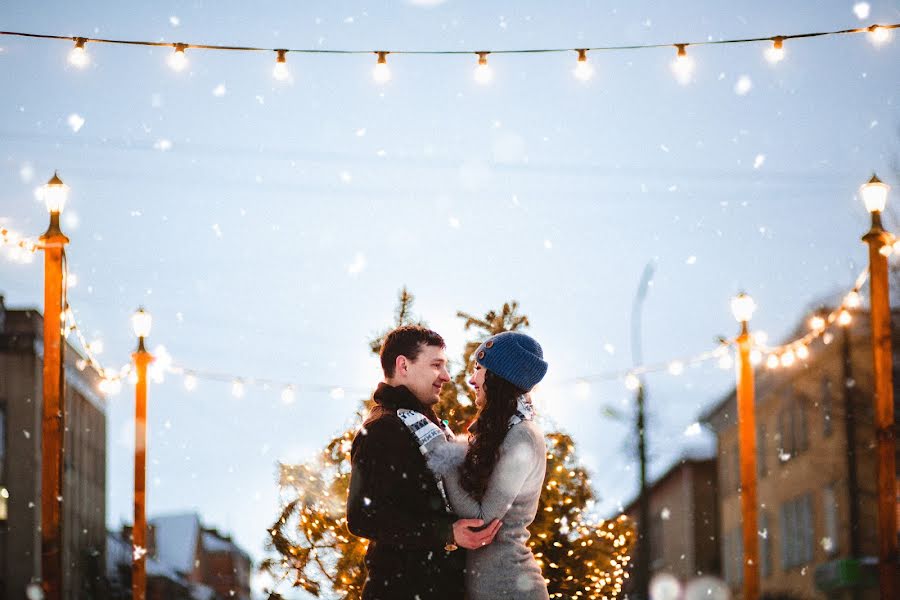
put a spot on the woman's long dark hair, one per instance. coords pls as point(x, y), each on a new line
point(488, 432)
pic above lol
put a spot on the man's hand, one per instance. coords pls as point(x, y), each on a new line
point(465, 537)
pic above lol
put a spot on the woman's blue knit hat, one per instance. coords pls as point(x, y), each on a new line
point(515, 357)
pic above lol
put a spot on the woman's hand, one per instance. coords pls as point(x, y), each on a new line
point(464, 535)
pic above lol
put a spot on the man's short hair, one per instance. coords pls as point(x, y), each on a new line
point(407, 341)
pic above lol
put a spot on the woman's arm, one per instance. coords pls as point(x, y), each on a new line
point(518, 454)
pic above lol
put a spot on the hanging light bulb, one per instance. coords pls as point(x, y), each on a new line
point(177, 60)
point(773, 362)
point(683, 65)
point(632, 382)
point(802, 352)
point(676, 367)
point(879, 35)
point(190, 382)
point(78, 56)
point(483, 72)
point(726, 361)
point(853, 300)
point(817, 323)
point(583, 69)
point(787, 359)
point(237, 388)
point(381, 73)
point(775, 54)
point(287, 395)
point(281, 72)
point(756, 357)
point(844, 318)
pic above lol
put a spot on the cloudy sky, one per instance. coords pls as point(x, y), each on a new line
point(269, 225)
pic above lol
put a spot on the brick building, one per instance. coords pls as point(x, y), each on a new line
point(84, 493)
point(816, 471)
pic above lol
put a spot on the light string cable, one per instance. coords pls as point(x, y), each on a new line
point(20, 248)
point(78, 56)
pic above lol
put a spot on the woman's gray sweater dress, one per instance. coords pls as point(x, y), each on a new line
point(506, 568)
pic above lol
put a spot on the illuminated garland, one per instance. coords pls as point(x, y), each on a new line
point(682, 65)
point(20, 248)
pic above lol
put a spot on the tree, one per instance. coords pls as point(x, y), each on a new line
point(580, 557)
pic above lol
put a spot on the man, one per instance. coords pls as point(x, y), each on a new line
point(394, 500)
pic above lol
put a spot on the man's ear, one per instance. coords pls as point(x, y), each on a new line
point(401, 365)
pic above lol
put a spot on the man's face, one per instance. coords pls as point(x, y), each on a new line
point(425, 376)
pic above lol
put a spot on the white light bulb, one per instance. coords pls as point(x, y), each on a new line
point(483, 72)
point(237, 388)
point(844, 318)
point(676, 367)
point(853, 300)
point(287, 395)
point(381, 73)
point(190, 382)
point(78, 56)
point(177, 60)
point(281, 72)
point(802, 352)
point(817, 323)
point(879, 35)
point(756, 357)
point(772, 362)
point(632, 382)
point(775, 54)
point(787, 359)
point(583, 69)
point(683, 65)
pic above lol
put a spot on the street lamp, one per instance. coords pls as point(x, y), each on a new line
point(742, 307)
point(53, 242)
point(140, 322)
point(874, 194)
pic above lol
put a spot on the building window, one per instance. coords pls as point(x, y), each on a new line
point(830, 508)
point(792, 433)
point(733, 557)
point(796, 529)
point(765, 545)
point(762, 468)
point(827, 408)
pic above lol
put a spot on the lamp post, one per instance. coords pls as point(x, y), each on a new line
point(874, 194)
point(140, 322)
point(53, 242)
point(742, 306)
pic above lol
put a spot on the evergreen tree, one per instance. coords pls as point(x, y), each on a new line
point(580, 557)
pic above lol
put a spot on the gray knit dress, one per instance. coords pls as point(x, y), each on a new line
point(506, 568)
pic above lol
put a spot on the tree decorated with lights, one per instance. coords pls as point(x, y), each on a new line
point(580, 557)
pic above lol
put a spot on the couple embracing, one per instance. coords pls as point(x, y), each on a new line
point(446, 516)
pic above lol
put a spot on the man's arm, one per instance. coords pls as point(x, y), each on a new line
point(372, 510)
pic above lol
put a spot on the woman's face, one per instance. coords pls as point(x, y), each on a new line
point(477, 382)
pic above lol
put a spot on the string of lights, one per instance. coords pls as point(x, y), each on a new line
point(682, 64)
point(19, 248)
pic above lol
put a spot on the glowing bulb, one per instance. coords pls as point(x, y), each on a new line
point(787, 359)
point(281, 72)
point(676, 367)
point(853, 300)
point(879, 35)
point(190, 382)
point(874, 194)
point(726, 361)
point(237, 388)
point(483, 72)
point(775, 54)
point(381, 73)
point(802, 352)
point(583, 69)
point(177, 60)
point(683, 65)
point(78, 56)
point(55, 194)
point(886, 250)
point(844, 318)
point(141, 321)
point(287, 395)
point(772, 362)
point(755, 357)
point(817, 323)
point(896, 246)
point(632, 382)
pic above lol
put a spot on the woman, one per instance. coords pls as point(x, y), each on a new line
point(499, 472)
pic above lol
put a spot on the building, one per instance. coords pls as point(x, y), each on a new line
point(816, 471)
point(185, 560)
point(684, 519)
point(84, 493)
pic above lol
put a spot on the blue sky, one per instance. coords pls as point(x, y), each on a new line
point(268, 226)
